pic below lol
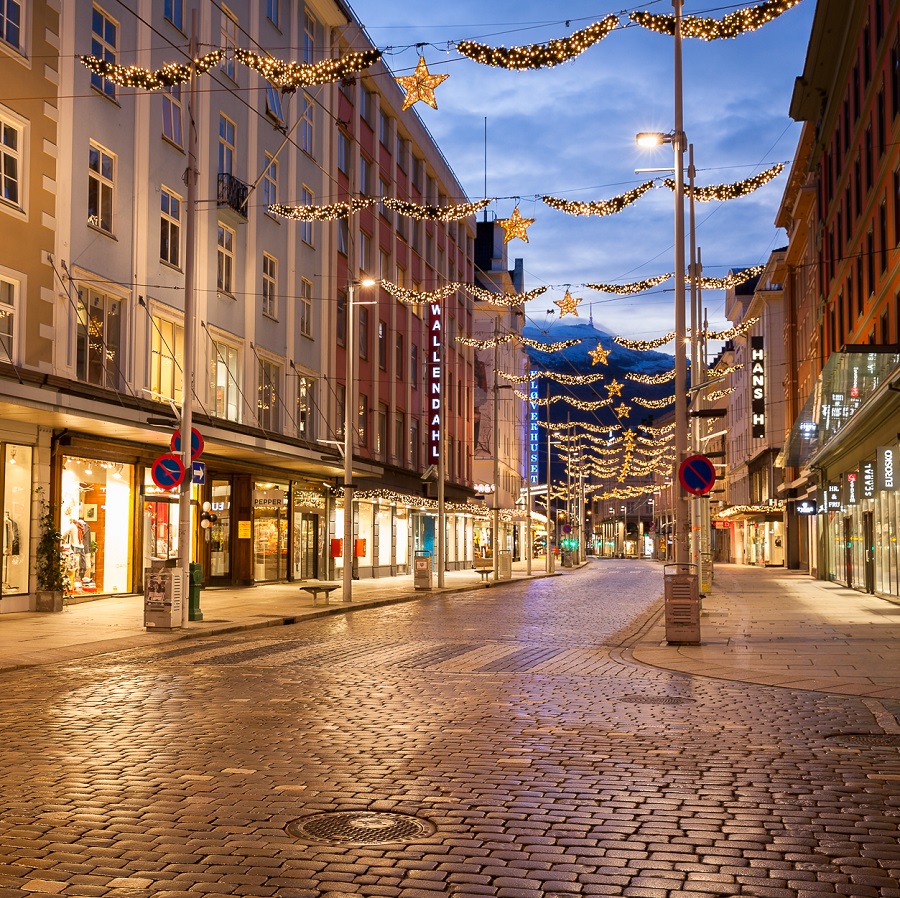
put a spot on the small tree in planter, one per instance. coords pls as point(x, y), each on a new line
point(52, 579)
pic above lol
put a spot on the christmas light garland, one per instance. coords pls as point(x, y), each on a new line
point(169, 75)
point(737, 331)
point(731, 280)
point(600, 207)
point(551, 375)
point(724, 372)
point(434, 213)
point(506, 338)
point(719, 394)
point(657, 431)
point(777, 506)
point(416, 297)
point(729, 191)
point(549, 347)
point(654, 403)
point(328, 212)
point(645, 345)
point(569, 400)
point(538, 56)
point(654, 379)
point(289, 76)
point(739, 22)
point(628, 289)
point(504, 299)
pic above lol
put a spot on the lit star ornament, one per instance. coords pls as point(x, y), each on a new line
point(622, 410)
point(568, 305)
point(599, 355)
point(421, 85)
point(516, 226)
point(615, 388)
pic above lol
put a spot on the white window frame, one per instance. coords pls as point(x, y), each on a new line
point(225, 240)
point(172, 120)
point(6, 27)
point(11, 288)
point(14, 157)
point(307, 198)
point(97, 340)
point(166, 348)
point(343, 152)
point(173, 12)
point(306, 406)
point(365, 252)
point(273, 104)
point(229, 33)
point(170, 227)
point(306, 293)
point(102, 48)
point(307, 126)
point(269, 286)
point(273, 12)
point(268, 381)
point(227, 145)
point(225, 359)
point(270, 182)
point(309, 39)
point(105, 186)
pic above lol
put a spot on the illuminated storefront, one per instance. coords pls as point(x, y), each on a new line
point(16, 513)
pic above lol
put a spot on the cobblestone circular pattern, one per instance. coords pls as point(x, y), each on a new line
point(359, 828)
point(886, 740)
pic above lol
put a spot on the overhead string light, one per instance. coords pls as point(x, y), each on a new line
point(435, 213)
point(663, 378)
point(739, 22)
point(628, 289)
point(719, 394)
point(579, 379)
point(415, 297)
point(586, 406)
point(600, 207)
point(737, 331)
point(584, 425)
point(503, 299)
point(539, 56)
point(776, 506)
point(645, 345)
point(654, 403)
point(657, 431)
point(508, 338)
point(289, 76)
point(170, 74)
point(729, 191)
point(724, 372)
point(328, 212)
point(735, 279)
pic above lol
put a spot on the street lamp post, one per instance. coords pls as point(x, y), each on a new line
point(349, 406)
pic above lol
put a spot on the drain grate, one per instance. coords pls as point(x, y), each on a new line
point(359, 828)
point(874, 739)
point(656, 699)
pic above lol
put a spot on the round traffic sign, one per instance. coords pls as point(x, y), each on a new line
point(167, 471)
point(196, 443)
point(697, 475)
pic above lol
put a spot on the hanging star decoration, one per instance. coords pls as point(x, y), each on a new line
point(420, 85)
point(599, 355)
point(568, 305)
point(516, 226)
point(615, 388)
point(622, 410)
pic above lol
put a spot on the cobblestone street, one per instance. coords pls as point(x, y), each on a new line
point(495, 742)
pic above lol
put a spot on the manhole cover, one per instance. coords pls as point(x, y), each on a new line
point(656, 699)
point(885, 739)
point(359, 828)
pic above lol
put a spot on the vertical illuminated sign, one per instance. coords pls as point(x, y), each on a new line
point(435, 382)
point(757, 387)
point(534, 431)
point(867, 471)
point(833, 496)
point(850, 495)
point(886, 468)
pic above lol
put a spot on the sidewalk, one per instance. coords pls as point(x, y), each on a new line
point(759, 625)
point(775, 627)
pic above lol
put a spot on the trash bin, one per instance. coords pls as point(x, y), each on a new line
point(422, 570)
point(163, 597)
point(196, 580)
point(682, 599)
point(504, 566)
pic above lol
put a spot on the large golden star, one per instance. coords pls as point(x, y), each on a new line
point(622, 410)
point(615, 388)
point(421, 85)
point(516, 226)
point(599, 355)
point(568, 305)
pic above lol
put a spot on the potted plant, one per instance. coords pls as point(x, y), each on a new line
point(53, 586)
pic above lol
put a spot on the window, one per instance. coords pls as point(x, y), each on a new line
point(365, 176)
point(882, 235)
point(895, 79)
point(101, 187)
point(343, 236)
point(166, 348)
point(11, 157)
point(870, 261)
point(399, 355)
point(104, 41)
point(171, 114)
point(365, 251)
point(341, 323)
point(270, 182)
point(269, 285)
point(306, 227)
point(414, 366)
point(306, 307)
point(173, 11)
point(306, 398)
point(382, 345)
point(228, 44)
point(414, 444)
point(98, 339)
point(381, 438)
point(399, 437)
point(341, 403)
point(9, 294)
point(384, 128)
point(363, 332)
point(273, 104)
point(343, 152)
point(268, 393)
point(362, 417)
point(366, 105)
point(11, 22)
point(309, 39)
point(224, 380)
point(225, 260)
point(273, 12)
point(306, 126)
point(384, 265)
point(170, 227)
point(226, 145)
point(384, 191)
point(400, 277)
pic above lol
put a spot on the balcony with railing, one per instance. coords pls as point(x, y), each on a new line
point(232, 194)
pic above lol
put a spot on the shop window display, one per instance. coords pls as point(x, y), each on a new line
point(160, 522)
point(17, 492)
point(95, 522)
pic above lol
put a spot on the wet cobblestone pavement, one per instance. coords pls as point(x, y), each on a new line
point(498, 742)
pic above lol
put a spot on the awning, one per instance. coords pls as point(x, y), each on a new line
point(842, 390)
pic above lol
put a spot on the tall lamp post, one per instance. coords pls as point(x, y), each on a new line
point(349, 429)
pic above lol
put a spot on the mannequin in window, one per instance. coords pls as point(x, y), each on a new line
point(10, 545)
point(73, 550)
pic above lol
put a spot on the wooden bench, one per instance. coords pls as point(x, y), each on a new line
point(315, 588)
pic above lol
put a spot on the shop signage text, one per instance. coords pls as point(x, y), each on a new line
point(867, 472)
point(850, 494)
point(435, 382)
point(886, 468)
point(758, 387)
point(807, 506)
point(269, 498)
point(833, 496)
point(533, 432)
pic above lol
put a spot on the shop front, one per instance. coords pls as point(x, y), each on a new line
point(17, 492)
